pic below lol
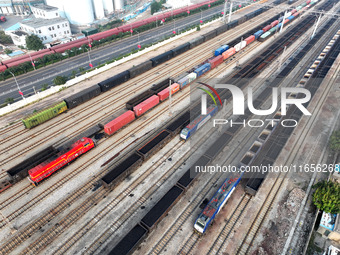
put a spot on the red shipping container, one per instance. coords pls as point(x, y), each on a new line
point(119, 122)
point(296, 14)
point(146, 105)
point(228, 53)
point(308, 2)
point(266, 28)
point(164, 94)
point(274, 23)
point(293, 11)
point(216, 61)
point(250, 39)
point(286, 21)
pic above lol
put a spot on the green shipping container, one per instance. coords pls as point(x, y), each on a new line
point(265, 35)
point(44, 115)
point(272, 30)
point(299, 8)
point(303, 5)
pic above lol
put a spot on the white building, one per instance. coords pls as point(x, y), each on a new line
point(47, 29)
point(45, 11)
point(19, 38)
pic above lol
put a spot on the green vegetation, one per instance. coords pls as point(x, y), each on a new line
point(60, 80)
point(198, 28)
point(5, 39)
point(8, 51)
point(44, 87)
point(157, 6)
point(327, 196)
point(33, 42)
point(335, 141)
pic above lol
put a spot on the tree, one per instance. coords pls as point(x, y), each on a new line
point(9, 100)
point(60, 80)
point(33, 42)
point(8, 51)
point(327, 196)
point(335, 141)
point(5, 39)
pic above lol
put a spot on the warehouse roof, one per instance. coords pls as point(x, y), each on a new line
point(45, 7)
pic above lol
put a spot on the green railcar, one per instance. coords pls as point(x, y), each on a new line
point(44, 115)
point(264, 36)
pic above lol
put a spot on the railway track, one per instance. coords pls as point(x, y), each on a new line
point(203, 53)
point(9, 200)
point(265, 208)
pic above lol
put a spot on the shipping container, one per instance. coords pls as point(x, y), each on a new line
point(265, 36)
point(258, 34)
point(228, 53)
point(114, 81)
point(141, 68)
point(119, 122)
point(138, 99)
point(164, 94)
point(82, 96)
point(249, 39)
point(161, 58)
point(202, 69)
point(266, 28)
point(146, 105)
point(274, 23)
point(240, 46)
point(187, 80)
point(44, 115)
point(216, 61)
point(221, 49)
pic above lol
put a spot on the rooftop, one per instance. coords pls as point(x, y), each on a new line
point(19, 33)
point(45, 7)
point(38, 22)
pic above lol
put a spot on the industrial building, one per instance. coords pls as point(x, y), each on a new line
point(18, 7)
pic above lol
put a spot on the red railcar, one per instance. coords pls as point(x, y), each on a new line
point(119, 122)
point(164, 94)
point(146, 105)
point(45, 169)
point(216, 61)
point(228, 53)
point(3, 68)
point(274, 23)
point(250, 39)
point(266, 28)
point(105, 34)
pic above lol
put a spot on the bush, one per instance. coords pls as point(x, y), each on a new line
point(60, 80)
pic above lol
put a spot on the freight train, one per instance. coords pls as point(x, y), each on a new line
point(221, 54)
point(96, 37)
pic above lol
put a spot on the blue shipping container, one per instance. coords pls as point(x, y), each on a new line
point(221, 49)
point(291, 17)
point(258, 34)
point(202, 69)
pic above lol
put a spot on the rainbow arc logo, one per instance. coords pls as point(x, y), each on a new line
point(204, 97)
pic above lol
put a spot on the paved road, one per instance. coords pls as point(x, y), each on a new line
point(46, 75)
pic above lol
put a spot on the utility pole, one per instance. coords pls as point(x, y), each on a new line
point(284, 17)
point(230, 11)
point(316, 26)
point(17, 85)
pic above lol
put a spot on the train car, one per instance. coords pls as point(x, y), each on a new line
point(196, 41)
point(249, 39)
point(240, 46)
point(162, 58)
point(221, 49)
point(158, 87)
point(197, 123)
point(118, 172)
point(202, 69)
point(45, 169)
point(139, 69)
point(3, 68)
point(119, 122)
point(44, 115)
point(161, 208)
point(187, 80)
point(266, 28)
point(114, 81)
point(164, 94)
point(82, 96)
point(228, 53)
point(216, 61)
point(146, 105)
point(216, 203)
point(130, 241)
point(138, 99)
point(274, 23)
point(154, 144)
point(258, 34)
point(20, 171)
point(181, 49)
